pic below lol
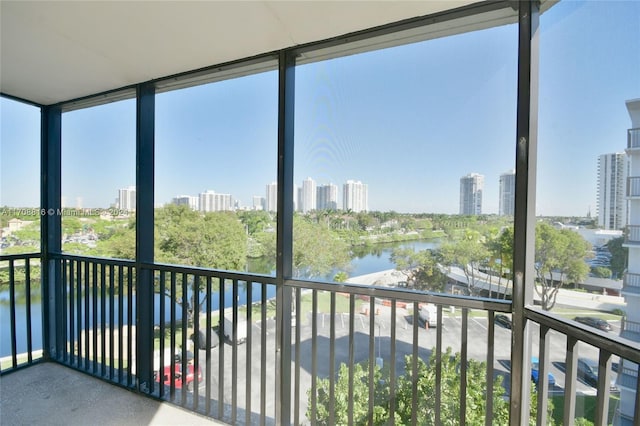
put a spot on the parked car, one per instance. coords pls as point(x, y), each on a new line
point(535, 364)
point(587, 371)
point(598, 323)
point(428, 313)
point(200, 340)
point(503, 320)
point(179, 381)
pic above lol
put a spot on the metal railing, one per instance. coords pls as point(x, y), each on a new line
point(633, 138)
point(343, 336)
point(631, 282)
point(21, 328)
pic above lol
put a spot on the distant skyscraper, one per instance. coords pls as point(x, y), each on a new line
point(308, 195)
point(127, 198)
point(187, 200)
point(471, 188)
point(612, 185)
point(327, 197)
point(210, 201)
point(507, 200)
point(355, 196)
point(259, 202)
point(272, 197)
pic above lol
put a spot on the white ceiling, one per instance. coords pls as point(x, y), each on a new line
point(54, 51)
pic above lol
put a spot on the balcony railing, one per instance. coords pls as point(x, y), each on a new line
point(342, 337)
point(633, 186)
point(631, 282)
point(633, 235)
point(633, 138)
point(630, 330)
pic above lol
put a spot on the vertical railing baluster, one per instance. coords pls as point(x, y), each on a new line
point(172, 380)
point(208, 346)
point(438, 410)
point(414, 367)
point(196, 339)
point(234, 353)
point(392, 364)
point(604, 380)
point(185, 320)
point(297, 366)
point(87, 324)
point(489, 377)
point(12, 314)
point(79, 312)
point(543, 381)
point(332, 358)
point(72, 313)
point(464, 343)
point(94, 310)
point(570, 380)
point(111, 321)
point(263, 357)
point(162, 361)
point(372, 359)
point(130, 319)
point(222, 331)
point(314, 355)
point(27, 277)
point(248, 346)
point(120, 321)
point(103, 320)
point(352, 332)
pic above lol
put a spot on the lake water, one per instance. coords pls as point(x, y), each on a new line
point(370, 260)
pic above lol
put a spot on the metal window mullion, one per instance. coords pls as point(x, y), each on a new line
point(284, 242)
point(524, 210)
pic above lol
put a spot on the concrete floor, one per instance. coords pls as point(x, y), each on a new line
point(51, 394)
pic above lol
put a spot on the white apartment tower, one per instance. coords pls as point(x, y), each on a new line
point(307, 198)
point(355, 196)
point(327, 197)
point(507, 202)
point(471, 188)
point(210, 201)
point(271, 202)
point(612, 190)
point(127, 198)
point(630, 328)
point(187, 200)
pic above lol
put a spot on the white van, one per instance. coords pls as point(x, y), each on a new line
point(428, 313)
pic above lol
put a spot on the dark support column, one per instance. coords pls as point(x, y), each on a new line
point(284, 271)
point(50, 230)
point(524, 220)
point(145, 122)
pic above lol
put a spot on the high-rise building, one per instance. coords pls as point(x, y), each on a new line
point(327, 197)
point(187, 200)
point(355, 196)
point(471, 188)
point(630, 327)
point(507, 202)
point(127, 198)
point(272, 197)
point(612, 185)
point(259, 202)
point(308, 195)
point(210, 201)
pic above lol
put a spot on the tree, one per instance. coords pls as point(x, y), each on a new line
point(601, 272)
point(560, 258)
point(421, 268)
point(317, 250)
point(501, 257)
point(469, 253)
point(619, 256)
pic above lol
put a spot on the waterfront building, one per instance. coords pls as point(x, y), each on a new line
point(327, 197)
point(127, 198)
point(187, 200)
point(612, 185)
point(630, 329)
point(355, 196)
point(471, 188)
point(272, 197)
point(307, 197)
point(507, 200)
point(210, 201)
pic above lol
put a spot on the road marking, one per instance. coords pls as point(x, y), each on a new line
point(479, 323)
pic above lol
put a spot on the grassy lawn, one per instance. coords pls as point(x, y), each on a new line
point(585, 407)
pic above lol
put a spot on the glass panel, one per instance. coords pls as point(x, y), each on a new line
point(19, 177)
point(98, 180)
point(404, 165)
point(216, 156)
point(588, 202)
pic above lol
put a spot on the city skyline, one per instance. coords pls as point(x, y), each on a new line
point(407, 117)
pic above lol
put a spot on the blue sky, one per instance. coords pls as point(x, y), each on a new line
point(408, 121)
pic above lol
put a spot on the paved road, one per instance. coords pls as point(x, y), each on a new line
point(361, 341)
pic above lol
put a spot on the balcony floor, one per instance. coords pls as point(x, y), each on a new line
point(51, 394)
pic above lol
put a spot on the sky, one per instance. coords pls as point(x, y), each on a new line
point(408, 121)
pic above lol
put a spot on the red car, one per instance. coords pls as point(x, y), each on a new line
point(178, 381)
